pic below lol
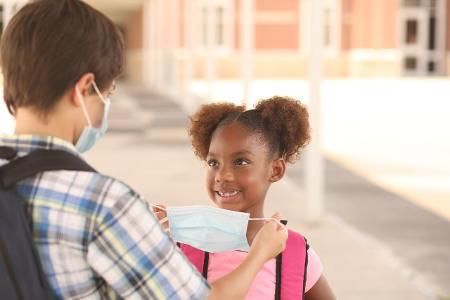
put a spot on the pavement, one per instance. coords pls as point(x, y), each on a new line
point(373, 244)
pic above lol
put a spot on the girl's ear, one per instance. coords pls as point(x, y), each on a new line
point(278, 168)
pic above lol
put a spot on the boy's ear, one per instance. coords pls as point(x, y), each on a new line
point(83, 85)
point(278, 169)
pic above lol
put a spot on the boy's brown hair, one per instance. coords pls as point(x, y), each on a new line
point(47, 47)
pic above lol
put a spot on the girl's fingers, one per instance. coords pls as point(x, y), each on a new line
point(160, 215)
point(159, 208)
point(277, 216)
point(165, 224)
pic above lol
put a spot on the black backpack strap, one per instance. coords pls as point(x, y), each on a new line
point(10, 173)
point(205, 265)
point(5, 260)
point(278, 277)
point(279, 262)
point(306, 268)
point(39, 161)
point(9, 259)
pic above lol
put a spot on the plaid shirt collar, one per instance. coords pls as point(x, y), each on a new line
point(26, 143)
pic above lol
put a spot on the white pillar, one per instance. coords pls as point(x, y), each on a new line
point(150, 44)
point(210, 65)
point(314, 161)
point(441, 18)
point(247, 36)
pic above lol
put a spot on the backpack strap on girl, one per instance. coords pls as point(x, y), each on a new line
point(279, 260)
point(293, 264)
point(198, 258)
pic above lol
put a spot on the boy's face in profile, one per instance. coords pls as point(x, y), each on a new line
point(239, 170)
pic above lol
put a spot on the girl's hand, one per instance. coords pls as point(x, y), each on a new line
point(161, 214)
point(270, 239)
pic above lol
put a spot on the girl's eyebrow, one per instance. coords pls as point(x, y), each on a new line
point(242, 152)
point(238, 153)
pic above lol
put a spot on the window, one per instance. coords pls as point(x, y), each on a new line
point(423, 36)
point(410, 63)
point(222, 23)
point(411, 32)
point(331, 20)
point(411, 3)
point(332, 25)
point(431, 66)
point(432, 33)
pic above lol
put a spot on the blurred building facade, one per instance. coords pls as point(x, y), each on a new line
point(361, 37)
point(170, 40)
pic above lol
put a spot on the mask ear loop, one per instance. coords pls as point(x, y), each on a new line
point(157, 206)
point(83, 107)
point(270, 219)
point(98, 92)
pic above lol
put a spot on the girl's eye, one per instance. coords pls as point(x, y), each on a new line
point(212, 163)
point(241, 162)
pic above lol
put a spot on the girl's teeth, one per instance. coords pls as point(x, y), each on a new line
point(227, 194)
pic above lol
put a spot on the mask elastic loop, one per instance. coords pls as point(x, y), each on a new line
point(83, 107)
point(98, 92)
point(157, 206)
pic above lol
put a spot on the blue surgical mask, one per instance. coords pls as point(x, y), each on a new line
point(90, 134)
point(210, 228)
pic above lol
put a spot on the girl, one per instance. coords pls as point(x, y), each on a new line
point(246, 151)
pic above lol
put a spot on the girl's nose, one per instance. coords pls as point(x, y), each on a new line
point(224, 175)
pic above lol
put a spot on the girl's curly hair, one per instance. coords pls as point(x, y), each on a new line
point(283, 122)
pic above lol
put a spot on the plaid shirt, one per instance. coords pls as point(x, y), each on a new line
point(96, 237)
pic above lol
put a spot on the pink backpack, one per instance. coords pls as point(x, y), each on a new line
point(291, 266)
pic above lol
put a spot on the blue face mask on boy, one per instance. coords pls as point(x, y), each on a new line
point(90, 134)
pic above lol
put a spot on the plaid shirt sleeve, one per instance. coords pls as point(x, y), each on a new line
point(132, 253)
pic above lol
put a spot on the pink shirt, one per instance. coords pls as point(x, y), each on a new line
point(263, 287)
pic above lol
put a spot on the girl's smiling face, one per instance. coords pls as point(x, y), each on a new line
point(240, 169)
